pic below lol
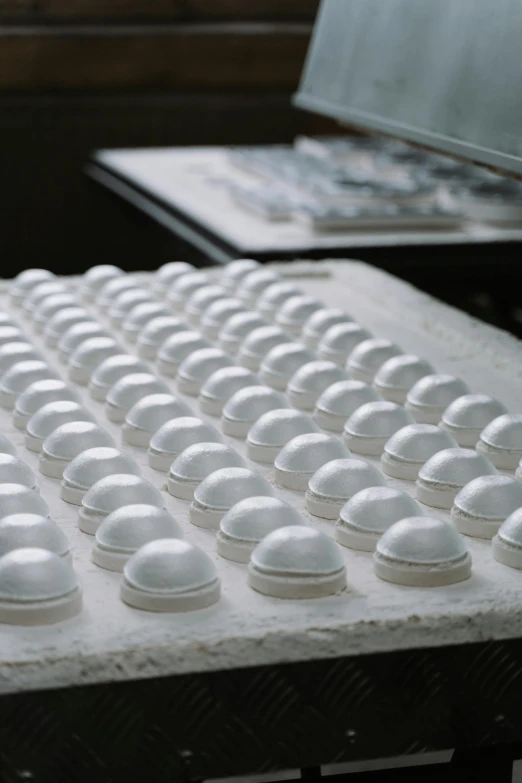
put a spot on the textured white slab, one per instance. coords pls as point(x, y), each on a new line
point(192, 180)
point(111, 641)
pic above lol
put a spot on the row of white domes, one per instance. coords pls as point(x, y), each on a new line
point(325, 373)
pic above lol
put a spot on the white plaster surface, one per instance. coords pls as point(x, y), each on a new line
point(112, 641)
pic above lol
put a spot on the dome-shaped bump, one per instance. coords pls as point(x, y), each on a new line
point(249, 521)
point(299, 459)
point(37, 588)
point(368, 357)
point(195, 463)
point(466, 417)
point(273, 430)
point(221, 490)
point(430, 396)
point(410, 447)
point(334, 483)
point(127, 529)
point(297, 562)
point(66, 442)
point(111, 492)
point(444, 475)
point(170, 575)
point(175, 435)
point(149, 414)
point(484, 504)
point(422, 552)
point(246, 406)
point(89, 467)
point(369, 513)
point(370, 426)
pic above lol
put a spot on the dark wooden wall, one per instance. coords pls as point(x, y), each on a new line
point(76, 75)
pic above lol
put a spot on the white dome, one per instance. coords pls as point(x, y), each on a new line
point(127, 529)
point(49, 417)
point(395, 377)
point(246, 406)
point(14, 471)
point(295, 312)
point(501, 441)
point(338, 342)
point(484, 503)
point(32, 530)
point(13, 353)
point(165, 276)
point(255, 283)
point(308, 383)
point(184, 286)
point(113, 369)
point(51, 305)
point(37, 587)
point(422, 552)
point(111, 492)
point(149, 414)
point(334, 483)
point(368, 357)
point(66, 442)
point(89, 467)
point(77, 334)
point(174, 436)
point(41, 291)
point(236, 328)
point(236, 271)
point(217, 314)
point(221, 490)
point(96, 277)
point(21, 375)
point(430, 397)
point(126, 302)
point(140, 315)
point(281, 362)
point(195, 463)
point(10, 334)
point(507, 544)
point(198, 366)
point(410, 447)
point(155, 332)
point(26, 281)
point(370, 426)
point(273, 430)
point(370, 512)
point(170, 575)
point(258, 343)
point(222, 385)
point(201, 300)
point(249, 521)
point(319, 323)
point(466, 417)
point(129, 390)
point(113, 288)
point(303, 455)
point(273, 297)
point(337, 403)
point(61, 321)
point(6, 447)
point(297, 562)
point(37, 395)
point(89, 355)
point(176, 348)
point(444, 475)
point(20, 499)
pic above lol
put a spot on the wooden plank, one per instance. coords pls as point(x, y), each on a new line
point(163, 59)
point(174, 10)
